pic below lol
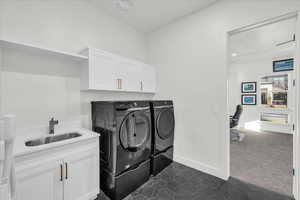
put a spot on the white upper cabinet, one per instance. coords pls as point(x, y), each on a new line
point(99, 71)
point(128, 73)
point(100, 77)
point(106, 71)
point(148, 81)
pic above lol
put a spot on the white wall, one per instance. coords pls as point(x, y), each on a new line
point(37, 87)
point(246, 72)
point(70, 26)
point(191, 58)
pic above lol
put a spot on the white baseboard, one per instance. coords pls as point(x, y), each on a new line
point(201, 167)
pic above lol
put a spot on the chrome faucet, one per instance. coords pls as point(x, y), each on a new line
point(52, 123)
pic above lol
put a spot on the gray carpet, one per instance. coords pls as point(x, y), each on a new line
point(178, 182)
point(264, 159)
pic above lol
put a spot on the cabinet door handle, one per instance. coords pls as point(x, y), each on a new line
point(121, 84)
point(66, 165)
point(61, 172)
point(142, 88)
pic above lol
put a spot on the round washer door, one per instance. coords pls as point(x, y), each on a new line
point(135, 131)
point(165, 123)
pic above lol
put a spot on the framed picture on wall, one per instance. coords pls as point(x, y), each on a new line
point(249, 99)
point(248, 87)
point(283, 65)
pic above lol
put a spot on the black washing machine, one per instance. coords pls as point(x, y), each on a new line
point(125, 145)
point(163, 124)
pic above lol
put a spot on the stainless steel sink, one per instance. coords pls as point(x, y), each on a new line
point(51, 139)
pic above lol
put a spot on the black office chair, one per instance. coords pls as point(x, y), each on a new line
point(234, 122)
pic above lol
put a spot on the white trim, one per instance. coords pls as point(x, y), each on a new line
point(296, 138)
point(263, 23)
point(1, 82)
point(227, 130)
point(201, 167)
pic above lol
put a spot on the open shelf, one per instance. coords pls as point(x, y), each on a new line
point(41, 50)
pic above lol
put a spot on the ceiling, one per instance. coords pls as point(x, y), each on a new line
point(149, 15)
point(273, 39)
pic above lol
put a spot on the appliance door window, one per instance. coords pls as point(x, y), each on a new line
point(135, 131)
point(165, 123)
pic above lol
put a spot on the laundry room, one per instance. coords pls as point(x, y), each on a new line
point(131, 99)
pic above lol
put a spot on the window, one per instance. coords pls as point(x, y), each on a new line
point(274, 117)
point(274, 91)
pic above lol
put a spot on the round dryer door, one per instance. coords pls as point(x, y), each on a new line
point(165, 123)
point(135, 131)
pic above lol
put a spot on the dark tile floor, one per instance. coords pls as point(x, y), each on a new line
point(178, 182)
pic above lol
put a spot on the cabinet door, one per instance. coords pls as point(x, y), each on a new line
point(41, 180)
point(129, 73)
point(148, 82)
point(82, 175)
point(102, 71)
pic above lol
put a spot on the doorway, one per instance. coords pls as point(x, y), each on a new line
point(262, 103)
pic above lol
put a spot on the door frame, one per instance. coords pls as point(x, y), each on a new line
point(296, 138)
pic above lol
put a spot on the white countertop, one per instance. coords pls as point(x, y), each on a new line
point(20, 148)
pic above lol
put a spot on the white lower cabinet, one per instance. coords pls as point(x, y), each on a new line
point(71, 173)
point(40, 180)
point(81, 181)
